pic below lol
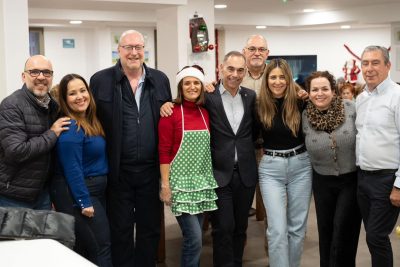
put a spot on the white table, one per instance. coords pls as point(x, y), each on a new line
point(39, 253)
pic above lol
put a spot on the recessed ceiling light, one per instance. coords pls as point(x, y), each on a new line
point(345, 27)
point(75, 22)
point(261, 27)
point(220, 6)
point(308, 10)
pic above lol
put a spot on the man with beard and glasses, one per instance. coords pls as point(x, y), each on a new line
point(28, 132)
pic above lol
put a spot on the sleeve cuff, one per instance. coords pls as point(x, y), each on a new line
point(83, 203)
point(397, 181)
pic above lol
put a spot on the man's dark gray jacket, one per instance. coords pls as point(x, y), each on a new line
point(25, 145)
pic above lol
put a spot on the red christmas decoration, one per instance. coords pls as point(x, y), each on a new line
point(351, 71)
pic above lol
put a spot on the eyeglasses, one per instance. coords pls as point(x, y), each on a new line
point(129, 48)
point(36, 73)
point(253, 49)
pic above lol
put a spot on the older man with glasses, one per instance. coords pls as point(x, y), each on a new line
point(256, 53)
point(27, 139)
point(128, 97)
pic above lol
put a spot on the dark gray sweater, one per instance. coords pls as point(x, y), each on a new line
point(326, 157)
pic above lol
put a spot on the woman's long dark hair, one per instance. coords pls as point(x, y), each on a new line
point(90, 123)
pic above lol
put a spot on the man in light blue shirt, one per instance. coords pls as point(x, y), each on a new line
point(378, 153)
point(232, 119)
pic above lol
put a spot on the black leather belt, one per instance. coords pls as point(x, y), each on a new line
point(378, 172)
point(288, 154)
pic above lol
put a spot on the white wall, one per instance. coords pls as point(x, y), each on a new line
point(84, 58)
point(395, 52)
point(328, 45)
point(14, 44)
point(66, 60)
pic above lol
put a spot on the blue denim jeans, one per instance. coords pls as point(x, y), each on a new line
point(42, 202)
point(92, 234)
point(285, 185)
point(191, 226)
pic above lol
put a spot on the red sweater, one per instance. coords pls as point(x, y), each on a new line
point(170, 129)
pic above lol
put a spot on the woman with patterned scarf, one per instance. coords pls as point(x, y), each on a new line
point(330, 137)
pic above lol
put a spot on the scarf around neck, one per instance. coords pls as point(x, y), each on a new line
point(326, 120)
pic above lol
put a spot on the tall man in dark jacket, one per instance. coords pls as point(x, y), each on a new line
point(27, 136)
point(232, 120)
point(128, 97)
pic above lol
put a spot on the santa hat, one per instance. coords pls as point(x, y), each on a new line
point(190, 72)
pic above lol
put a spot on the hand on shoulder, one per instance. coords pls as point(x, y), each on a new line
point(166, 109)
point(60, 125)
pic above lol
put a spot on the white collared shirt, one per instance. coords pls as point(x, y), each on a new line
point(378, 128)
point(139, 88)
point(234, 109)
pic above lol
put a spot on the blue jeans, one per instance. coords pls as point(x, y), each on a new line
point(92, 234)
point(42, 202)
point(191, 226)
point(285, 185)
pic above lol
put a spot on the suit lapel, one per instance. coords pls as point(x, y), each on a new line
point(219, 107)
point(245, 101)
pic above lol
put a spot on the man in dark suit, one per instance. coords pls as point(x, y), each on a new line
point(232, 119)
point(128, 97)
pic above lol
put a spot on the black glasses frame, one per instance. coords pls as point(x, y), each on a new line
point(36, 73)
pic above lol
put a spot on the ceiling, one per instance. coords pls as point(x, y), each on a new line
point(290, 7)
point(275, 14)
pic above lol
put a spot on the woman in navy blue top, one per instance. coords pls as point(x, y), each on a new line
point(78, 188)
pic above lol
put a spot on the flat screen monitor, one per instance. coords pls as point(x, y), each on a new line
point(302, 66)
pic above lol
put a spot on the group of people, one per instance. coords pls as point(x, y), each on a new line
point(108, 152)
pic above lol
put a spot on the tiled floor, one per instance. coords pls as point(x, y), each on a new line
point(254, 255)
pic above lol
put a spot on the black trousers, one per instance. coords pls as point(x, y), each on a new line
point(229, 222)
point(338, 218)
point(133, 208)
point(92, 234)
point(379, 215)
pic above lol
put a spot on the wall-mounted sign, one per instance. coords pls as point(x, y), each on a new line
point(68, 43)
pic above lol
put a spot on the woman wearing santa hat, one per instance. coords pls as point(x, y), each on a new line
point(187, 181)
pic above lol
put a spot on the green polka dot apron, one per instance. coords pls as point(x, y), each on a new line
point(191, 176)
